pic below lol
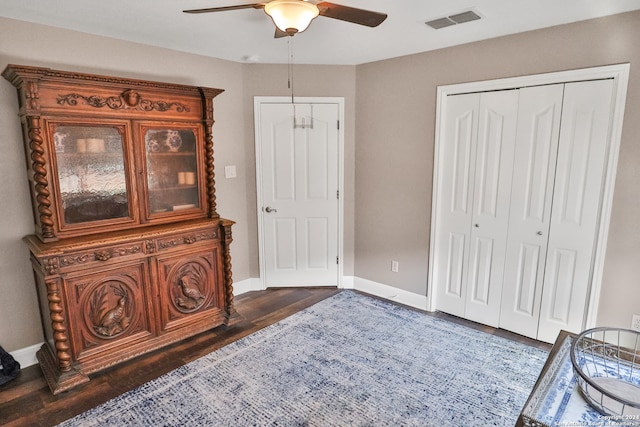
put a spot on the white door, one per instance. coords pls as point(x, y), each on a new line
point(454, 197)
point(536, 148)
point(582, 154)
point(490, 215)
point(299, 187)
point(475, 165)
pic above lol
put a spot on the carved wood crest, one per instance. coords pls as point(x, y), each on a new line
point(127, 100)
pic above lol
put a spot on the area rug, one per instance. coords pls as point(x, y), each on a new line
point(350, 360)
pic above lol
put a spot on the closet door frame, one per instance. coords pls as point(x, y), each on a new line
point(620, 75)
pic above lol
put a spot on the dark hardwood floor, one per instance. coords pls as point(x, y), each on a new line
point(27, 400)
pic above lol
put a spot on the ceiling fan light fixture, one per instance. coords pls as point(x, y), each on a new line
point(291, 16)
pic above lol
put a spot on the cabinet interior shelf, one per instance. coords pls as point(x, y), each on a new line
point(93, 156)
point(174, 188)
point(171, 154)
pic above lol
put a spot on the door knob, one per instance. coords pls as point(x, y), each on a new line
point(539, 233)
point(476, 225)
point(269, 209)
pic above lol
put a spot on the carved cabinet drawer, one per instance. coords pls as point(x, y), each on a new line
point(96, 256)
point(183, 240)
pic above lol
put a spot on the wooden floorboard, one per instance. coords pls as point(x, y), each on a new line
point(27, 400)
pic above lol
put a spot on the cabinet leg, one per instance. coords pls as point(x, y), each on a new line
point(232, 316)
point(57, 380)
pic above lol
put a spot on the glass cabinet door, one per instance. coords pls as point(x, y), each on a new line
point(172, 170)
point(91, 173)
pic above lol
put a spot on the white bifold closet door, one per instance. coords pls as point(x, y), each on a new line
point(576, 206)
point(490, 207)
point(519, 195)
point(477, 163)
point(536, 149)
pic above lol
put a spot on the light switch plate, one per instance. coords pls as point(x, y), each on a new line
point(230, 171)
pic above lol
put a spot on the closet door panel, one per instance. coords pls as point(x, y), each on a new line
point(528, 271)
point(455, 265)
point(490, 216)
point(481, 270)
point(536, 150)
point(454, 194)
point(576, 205)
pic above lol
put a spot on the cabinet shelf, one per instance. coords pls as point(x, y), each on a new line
point(169, 154)
point(175, 188)
point(92, 156)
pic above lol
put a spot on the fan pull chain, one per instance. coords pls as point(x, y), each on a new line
point(296, 125)
point(290, 66)
point(290, 78)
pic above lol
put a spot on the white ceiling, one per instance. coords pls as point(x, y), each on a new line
point(247, 35)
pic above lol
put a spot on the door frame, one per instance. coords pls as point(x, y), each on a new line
point(620, 74)
point(258, 101)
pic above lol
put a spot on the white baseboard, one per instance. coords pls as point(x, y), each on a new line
point(391, 293)
point(352, 282)
point(347, 282)
point(26, 356)
point(247, 285)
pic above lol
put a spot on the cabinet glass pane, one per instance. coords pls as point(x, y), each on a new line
point(91, 173)
point(172, 173)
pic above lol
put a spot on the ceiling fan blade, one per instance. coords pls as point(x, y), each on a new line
point(225, 8)
point(351, 14)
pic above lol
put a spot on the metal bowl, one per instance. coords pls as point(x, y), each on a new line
point(606, 362)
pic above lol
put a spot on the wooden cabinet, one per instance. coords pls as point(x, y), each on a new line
point(129, 253)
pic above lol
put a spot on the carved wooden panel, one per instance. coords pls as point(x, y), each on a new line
point(187, 286)
point(108, 308)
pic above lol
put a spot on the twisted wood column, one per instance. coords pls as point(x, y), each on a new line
point(60, 337)
point(41, 182)
point(208, 121)
point(228, 276)
point(211, 175)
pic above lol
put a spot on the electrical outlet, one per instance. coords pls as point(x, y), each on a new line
point(635, 322)
point(394, 266)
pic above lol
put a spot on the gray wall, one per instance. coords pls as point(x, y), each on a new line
point(395, 129)
point(389, 136)
point(31, 44)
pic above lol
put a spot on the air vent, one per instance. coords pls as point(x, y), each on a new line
point(440, 23)
point(458, 18)
point(461, 18)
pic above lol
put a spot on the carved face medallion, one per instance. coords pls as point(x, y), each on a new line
point(131, 97)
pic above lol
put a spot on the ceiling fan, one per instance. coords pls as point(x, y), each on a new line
point(294, 16)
